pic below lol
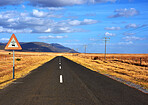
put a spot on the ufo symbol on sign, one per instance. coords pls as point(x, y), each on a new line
point(13, 43)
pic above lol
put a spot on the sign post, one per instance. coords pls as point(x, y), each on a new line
point(13, 44)
point(13, 64)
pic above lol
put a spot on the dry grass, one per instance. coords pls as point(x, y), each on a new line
point(28, 62)
point(138, 59)
point(119, 65)
point(127, 71)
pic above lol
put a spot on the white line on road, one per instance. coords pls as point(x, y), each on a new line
point(60, 67)
point(59, 60)
point(61, 79)
point(60, 63)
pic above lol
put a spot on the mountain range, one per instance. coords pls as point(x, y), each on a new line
point(41, 47)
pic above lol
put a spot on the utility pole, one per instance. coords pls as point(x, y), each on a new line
point(105, 39)
point(85, 46)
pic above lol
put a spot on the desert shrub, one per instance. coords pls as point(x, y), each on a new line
point(95, 58)
point(18, 59)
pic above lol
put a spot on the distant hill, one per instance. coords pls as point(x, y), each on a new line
point(2, 46)
point(41, 47)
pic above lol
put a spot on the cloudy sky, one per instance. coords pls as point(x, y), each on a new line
point(75, 23)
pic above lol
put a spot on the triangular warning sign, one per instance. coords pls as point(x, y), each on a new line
point(13, 44)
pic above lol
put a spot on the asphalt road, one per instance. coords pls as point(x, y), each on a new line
point(63, 82)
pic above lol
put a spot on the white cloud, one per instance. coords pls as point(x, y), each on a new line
point(61, 3)
point(53, 3)
point(112, 28)
point(129, 33)
point(23, 6)
point(109, 34)
point(56, 3)
point(125, 13)
point(131, 38)
point(41, 14)
point(84, 22)
point(64, 28)
point(89, 21)
point(4, 39)
point(55, 8)
point(7, 14)
point(24, 14)
point(38, 13)
point(48, 30)
point(12, 21)
point(132, 25)
point(52, 37)
point(56, 30)
point(68, 30)
point(7, 30)
point(38, 22)
point(75, 22)
point(125, 43)
point(61, 37)
point(10, 2)
point(72, 17)
point(94, 39)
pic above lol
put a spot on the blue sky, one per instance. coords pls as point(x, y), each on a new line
point(75, 23)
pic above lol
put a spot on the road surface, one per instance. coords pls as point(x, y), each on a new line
point(63, 82)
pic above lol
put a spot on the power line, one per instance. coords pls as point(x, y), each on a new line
point(134, 29)
point(144, 29)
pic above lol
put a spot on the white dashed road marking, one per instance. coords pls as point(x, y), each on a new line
point(60, 67)
point(61, 79)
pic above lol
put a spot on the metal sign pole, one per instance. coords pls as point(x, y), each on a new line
point(13, 65)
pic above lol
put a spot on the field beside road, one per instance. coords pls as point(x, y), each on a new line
point(64, 82)
point(24, 63)
point(126, 68)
